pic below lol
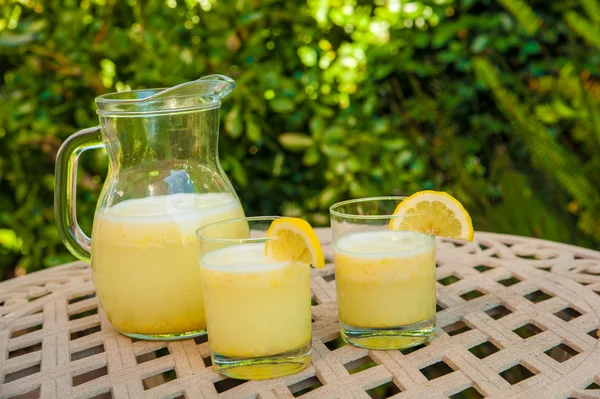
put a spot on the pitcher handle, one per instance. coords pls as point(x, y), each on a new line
point(65, 189)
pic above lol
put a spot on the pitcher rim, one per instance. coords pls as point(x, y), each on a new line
point(210, 90)
point(104, 100)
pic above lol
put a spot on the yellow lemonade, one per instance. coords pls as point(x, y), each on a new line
point(145, 260)
point(385, 278)
point(255, 306)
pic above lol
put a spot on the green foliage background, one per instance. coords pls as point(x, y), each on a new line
point(496, 102)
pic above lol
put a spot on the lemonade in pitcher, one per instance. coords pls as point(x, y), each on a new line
point(145, 260)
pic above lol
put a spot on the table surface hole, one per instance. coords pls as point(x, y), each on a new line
point(25, 351)
point(81, 298)
point(103, 395)
point(201, 339)
point(359, 365)
point(313, 301)
point(383, 391)
point(467, 296)
point(590, 273)
point(160, 379)
point(538, 296)
point(567, 314)
point(83, 314)
point(305, 386)
point(412, 349)
point(89, 376)
point(436, 370)
point(507, 282)
point(35, 394)
point(25, 331)
point(207, 361)
point(17, 375)
point(469, 393)
point(456, 328)
point(498, 312)
point(38, 296)
point(329, 277)
point(335, 343)
point(527, 331)
point(561, 353)
point(516, 374)
point(482, 268)
point(595, 333)
point(593, 385)
point(83, 333)
point(484, 349)
point(227, 384)
point(449, 280)
point(87, 352)
point(157, 354)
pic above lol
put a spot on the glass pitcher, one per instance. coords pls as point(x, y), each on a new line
point(164, 181)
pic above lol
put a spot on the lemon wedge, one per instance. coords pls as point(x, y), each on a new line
point(294, 239)
point(434, 212)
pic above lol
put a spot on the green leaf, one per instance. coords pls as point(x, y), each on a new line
point(584, 28)
point(308, 55)
point(523, 13)
point(248, 18)
point(335, 151)
point(592, 8)
point(233, 121)
point(10, 240)
point(334, 134)
point(16, 39)
point(282, 105)
point(329, 196)
point(238, 172)
point(253, 131)
point(479, 43)
point(278, 165)
point(296, 142)
point(311, 157)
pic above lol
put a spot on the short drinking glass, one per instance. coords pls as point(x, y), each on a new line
point(258, 309)
point(385, 278)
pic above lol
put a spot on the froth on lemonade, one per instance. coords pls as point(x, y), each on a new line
point(255, 306)
point(145, 260)
point(385, 278)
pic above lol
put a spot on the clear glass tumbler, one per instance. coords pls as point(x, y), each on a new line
point(258, 309)
point(385, 278)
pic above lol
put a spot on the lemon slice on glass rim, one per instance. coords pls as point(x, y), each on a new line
point(434, 212)
point(294, 239)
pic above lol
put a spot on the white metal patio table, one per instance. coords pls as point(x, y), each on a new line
point(517, 317)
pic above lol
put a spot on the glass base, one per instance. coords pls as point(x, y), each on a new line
point(165, 337)
point(261, 368)
point(400, 337)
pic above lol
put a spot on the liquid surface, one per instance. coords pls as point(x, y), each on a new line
point(385, 278)
point(255, 306)
point(145, 260)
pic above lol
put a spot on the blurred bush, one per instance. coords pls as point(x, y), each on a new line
point(496, 102)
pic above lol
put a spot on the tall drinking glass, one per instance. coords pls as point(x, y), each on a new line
point(258, 309)
point(385, 278)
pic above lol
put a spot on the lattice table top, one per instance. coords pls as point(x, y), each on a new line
point(517, 317)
